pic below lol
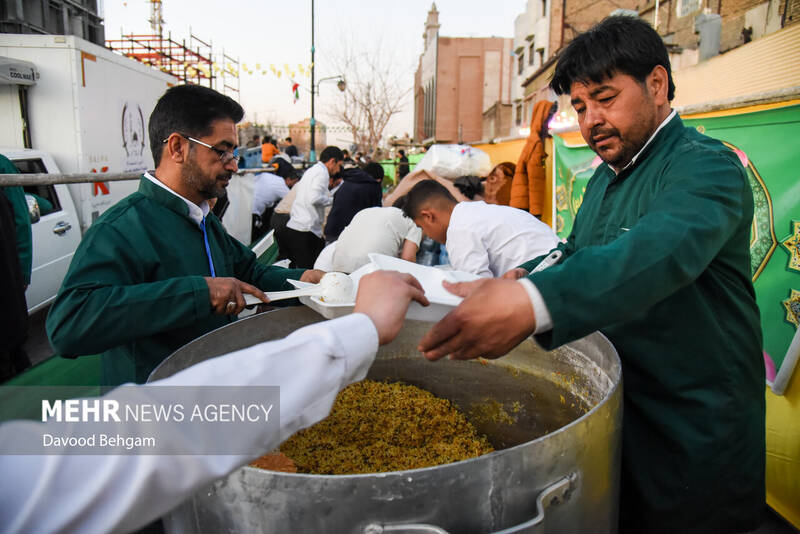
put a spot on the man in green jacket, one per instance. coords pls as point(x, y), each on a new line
point(658, 260)
point(16, 261)
point(22, 220)
point(158, 269)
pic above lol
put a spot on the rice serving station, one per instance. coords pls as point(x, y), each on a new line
point(554, 418)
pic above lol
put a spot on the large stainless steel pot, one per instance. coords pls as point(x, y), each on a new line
point(556, 469)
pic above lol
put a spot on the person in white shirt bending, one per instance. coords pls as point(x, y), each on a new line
point(302, 237)
point(268, 191)
point(380, 230)
point(484, 239)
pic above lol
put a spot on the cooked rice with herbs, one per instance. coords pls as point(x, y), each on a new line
point(377, 427)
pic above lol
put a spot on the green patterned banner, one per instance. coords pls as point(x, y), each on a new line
point(573, 166)
point(767, 145)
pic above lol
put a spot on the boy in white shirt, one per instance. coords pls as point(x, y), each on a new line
point(484, 239)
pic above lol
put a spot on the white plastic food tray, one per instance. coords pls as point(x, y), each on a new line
point(441, 301)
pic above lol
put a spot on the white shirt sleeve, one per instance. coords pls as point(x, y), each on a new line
point(414, 233)
point(120, 493)
point(260, 193)
point(543, 320)
point(319, 193)
point(467, 252)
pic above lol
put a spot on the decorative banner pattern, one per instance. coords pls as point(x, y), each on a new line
point(574, 166)
point(762, 233)
point(761, 139)
point(792, 245)
point(792, 305)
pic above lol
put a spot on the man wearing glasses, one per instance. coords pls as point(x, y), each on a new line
point(157, 269)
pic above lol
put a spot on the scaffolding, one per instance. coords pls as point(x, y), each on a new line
point(229, 75)
point(156, 17)
point(191, 63)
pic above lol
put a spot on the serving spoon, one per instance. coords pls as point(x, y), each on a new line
point(334, 288)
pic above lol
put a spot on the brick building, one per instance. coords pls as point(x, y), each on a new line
point(741, 21)
point(300, 132)
point(497, 121)
point(457, 80)
point(693, 30)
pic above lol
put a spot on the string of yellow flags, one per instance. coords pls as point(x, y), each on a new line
point(257, 69)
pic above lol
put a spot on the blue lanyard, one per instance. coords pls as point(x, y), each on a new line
point(208, 249)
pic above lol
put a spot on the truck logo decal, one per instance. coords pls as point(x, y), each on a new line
point(133, 136)
point(100, 188)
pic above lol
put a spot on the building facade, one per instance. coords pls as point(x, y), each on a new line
point(693, 30)
point(300, 132)
point(739, 21)
point(457, 80)
point(59, 17)
point(532, 50)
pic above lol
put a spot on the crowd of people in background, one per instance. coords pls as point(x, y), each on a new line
point(328, 216)
point(311, 210)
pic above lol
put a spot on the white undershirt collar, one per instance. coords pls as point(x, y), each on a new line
point(196, 213)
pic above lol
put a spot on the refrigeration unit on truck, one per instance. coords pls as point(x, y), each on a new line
point(70, 106)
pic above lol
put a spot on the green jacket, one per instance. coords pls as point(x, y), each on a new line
point(22, 219)
point(135, 289)
point(659, 261)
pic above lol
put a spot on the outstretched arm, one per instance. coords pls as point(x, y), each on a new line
point(125, 492)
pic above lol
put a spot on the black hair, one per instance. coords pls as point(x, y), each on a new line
point(289, 139)
point(421, 193)
point(618, 44)
point(375, 170)
point(189, 110)
point(285, 169)
point(400, 203)
point(331, 152)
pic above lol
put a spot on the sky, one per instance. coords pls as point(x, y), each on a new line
point(269, 32)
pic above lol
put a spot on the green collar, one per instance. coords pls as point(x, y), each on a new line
point(163, 197)
point(672, 129)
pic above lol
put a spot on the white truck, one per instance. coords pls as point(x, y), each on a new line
point(70, 106)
